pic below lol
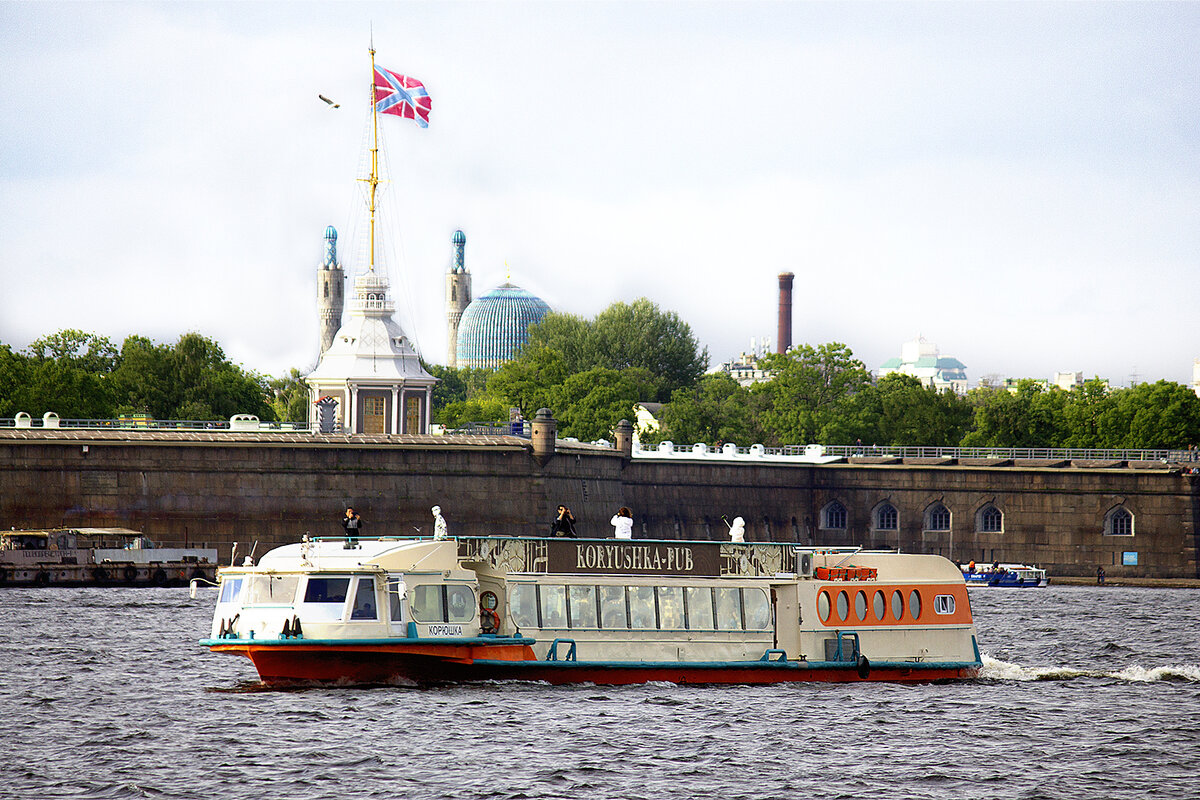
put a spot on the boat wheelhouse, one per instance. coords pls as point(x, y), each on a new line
point(604, 611)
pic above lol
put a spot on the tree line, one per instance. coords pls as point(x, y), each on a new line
point(81, 375)
point(593, 372)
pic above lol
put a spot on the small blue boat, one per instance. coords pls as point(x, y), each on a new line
point(1017, 576)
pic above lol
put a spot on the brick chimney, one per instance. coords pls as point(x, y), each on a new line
point(785, 312)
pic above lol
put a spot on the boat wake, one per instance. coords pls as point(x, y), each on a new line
point(1005, 671)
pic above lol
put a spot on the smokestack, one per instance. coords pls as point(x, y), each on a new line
point(785, 312)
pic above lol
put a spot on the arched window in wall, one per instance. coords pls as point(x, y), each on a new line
point(833, 516)
point(989, 520)
point(886, 517)
point(1118, 522)
point(937, 518)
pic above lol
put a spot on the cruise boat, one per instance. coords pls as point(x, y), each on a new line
point(428, 610)
point(1020, 576)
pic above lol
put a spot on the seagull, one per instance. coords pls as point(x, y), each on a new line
point(329, 102)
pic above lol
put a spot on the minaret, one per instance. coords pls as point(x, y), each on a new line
point(330, 283)
point(458, 296)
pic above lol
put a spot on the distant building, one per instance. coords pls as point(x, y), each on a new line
point(1068, 380)
point(1196, 376)
point(646, 419)
point(494, 327)
point(745, 368)
point(920, 358)
point(458, 295)
point(369, 378)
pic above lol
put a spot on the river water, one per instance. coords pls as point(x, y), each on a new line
point(1087, 692)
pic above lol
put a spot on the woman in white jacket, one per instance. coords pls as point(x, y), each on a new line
point(622, 523)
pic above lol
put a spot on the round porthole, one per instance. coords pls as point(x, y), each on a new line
point(860, 606)
point(843, 606)
point(823, 606)
point(879, 606)
point(897, 605)
point(914, 604)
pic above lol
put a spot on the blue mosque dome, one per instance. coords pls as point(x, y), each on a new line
point(496, 325)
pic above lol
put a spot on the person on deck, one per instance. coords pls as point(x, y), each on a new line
point(352, 522)
point(564, 524)
point(622, 523)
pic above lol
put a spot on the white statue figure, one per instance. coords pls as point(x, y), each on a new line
point(439, 524)
point(737, 531)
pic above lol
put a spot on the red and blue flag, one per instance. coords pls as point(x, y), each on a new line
point(402, 96)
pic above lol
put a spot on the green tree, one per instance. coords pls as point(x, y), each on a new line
point(531, 381)
point(14, 382)
point(810, 390)
point(85, 351)
point(593, 402)
point(640, 335)
point(289, 397)
point(1086, 405)
point(1155, 416)
point(477, 409)
point(716, 410)
point(1027, 417)
point(900, 410)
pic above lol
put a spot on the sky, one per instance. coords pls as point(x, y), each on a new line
point(1018, 183)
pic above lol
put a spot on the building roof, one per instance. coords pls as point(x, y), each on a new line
point(496, 325)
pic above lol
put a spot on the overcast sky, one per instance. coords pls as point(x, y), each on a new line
point(1019, 183)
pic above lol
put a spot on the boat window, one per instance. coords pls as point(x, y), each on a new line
point(897, 605)
point(914, 604)
point(860, 605)
point(879, 606)
point(425, 602)
point(700, 608)
point(729, 609)
point(612, 608)
point(943, 604)
point(758, 609)
point(554, 606)
point(641, 607)
point(231, 588)
point(581, 603)
point(364, 600)
point(823, 606)
point(670, 608)
point(272, 590)
point(843, 606)
point(522, 599)
point(460, 603)
point(326, 590)
point(396, 608)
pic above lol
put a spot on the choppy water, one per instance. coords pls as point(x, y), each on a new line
point(1087, 692)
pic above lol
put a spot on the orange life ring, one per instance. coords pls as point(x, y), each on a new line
point(489, 621)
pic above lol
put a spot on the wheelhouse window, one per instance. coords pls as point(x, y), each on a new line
point(326, 590)
point(1119, 522)
point(758, 609)
point(231, 589)
point(937, 518)
point(989, 520)
point(833, 516)
point(641, 608)
point(554, 606)
point(887, 518)
point(670, 608)
point(581, 604)
point(729, 609)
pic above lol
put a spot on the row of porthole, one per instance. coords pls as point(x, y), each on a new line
point(879, 606)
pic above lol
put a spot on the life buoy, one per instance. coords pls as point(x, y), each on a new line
point(159, 578)
point(42, 578)
point(199, 574)
point(131, 573)
point(100, 575)
point(489, 621)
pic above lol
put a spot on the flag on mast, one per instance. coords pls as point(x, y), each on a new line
point(402, 96)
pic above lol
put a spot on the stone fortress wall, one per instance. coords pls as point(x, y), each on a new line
point(217, 488)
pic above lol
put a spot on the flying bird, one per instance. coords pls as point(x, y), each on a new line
point(329, 102)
